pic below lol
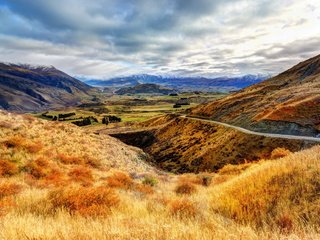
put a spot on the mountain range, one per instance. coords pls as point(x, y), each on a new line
point(182, 83)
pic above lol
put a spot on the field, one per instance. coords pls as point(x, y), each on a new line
point(135, 108)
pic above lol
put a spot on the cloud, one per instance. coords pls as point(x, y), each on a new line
point(105, 38)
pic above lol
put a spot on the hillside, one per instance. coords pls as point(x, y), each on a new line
point(287, 103)
point(29, 88)
point(147, 88)
point(69, 184)
point(182, 83)
point(183, 145)
point(24, 139)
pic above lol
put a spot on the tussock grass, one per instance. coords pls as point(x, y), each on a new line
point(283, 193)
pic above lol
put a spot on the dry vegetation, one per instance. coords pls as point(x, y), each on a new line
point(183, 145)
point(55, 192)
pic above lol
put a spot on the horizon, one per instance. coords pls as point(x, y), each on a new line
point(204, 38)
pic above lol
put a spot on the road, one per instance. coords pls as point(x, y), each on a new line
point(273, 135)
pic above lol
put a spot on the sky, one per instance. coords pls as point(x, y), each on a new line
point(100, 39)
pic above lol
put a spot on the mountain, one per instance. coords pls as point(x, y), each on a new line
point(145, 88)
point(287, 103)
point(32, 88)
point(182, 83)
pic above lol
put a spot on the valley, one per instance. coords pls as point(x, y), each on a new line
point(159, 120)
point(118, 163)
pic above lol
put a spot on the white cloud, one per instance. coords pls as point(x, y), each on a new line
point(106, 38)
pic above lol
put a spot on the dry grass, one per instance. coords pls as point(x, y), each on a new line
point(185, 188)
point(49, 199)
point(38, 168)
point(8, 168)
point(280, 193)
point(82, 175)
point(279, 153)
point(183, 208)
point(87, 201)
point(9, 189)
point(120, 180)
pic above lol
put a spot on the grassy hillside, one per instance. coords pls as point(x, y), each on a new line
point(184, 145)
point(59, 182)
point(287, 103)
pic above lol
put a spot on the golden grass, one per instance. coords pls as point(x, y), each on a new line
point(87, 201)
point(49, 199)
point(286, 190)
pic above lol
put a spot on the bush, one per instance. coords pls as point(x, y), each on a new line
point(285, 223)
point(234, 169)
point(149, 180)
point(14, 142)
point(120, 180)
point(185, 188)
point(183, 208)
point(206, 180)
point(34, 147)
point(65, 159)
point(92, 162)
point(8, 189)
point(82, 175)
point(87, 201)
point(144, 189)
point(8, 168)
point(38, 168)
point(279, 153)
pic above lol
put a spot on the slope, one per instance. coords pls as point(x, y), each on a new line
point(29, 88)
point(288, 103)
point(183, 145)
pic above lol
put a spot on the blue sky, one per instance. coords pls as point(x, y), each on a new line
point(107, 38)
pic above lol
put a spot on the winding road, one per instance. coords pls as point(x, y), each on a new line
point(273, 135)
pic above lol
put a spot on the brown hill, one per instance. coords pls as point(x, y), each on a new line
point(30, 88)
point(25, 139)
point(287, 103)
point(184, 145)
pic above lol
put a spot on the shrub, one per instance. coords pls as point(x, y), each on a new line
point(55, 178)
point(144, 189)
point(6, 204)
point(120, 180)
point(183, 208)
point(69, 159)
point(7, 168)
point(206, 180)
point(234, 169)
point(92, 162)
point(8, 189)
point(279, 153)
point(34, 147)
point(285, 223)
point(185, 188)
point(149, 180)
point(82, 175)
point(87, 201)
point(38, 168)
point(14, 142)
